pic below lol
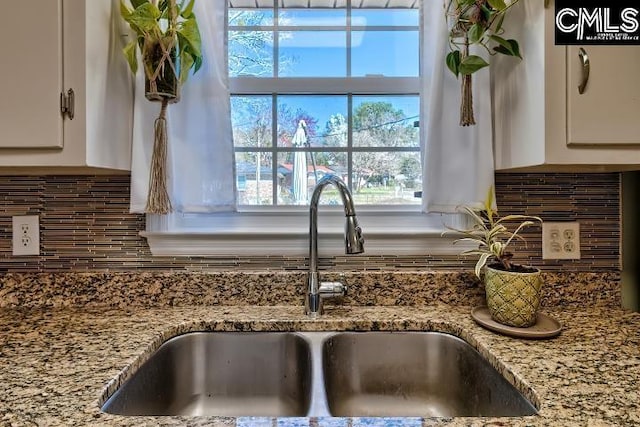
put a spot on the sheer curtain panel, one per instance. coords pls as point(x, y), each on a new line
point(457, 161)
point(201, 175)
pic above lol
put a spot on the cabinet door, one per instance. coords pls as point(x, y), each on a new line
point(31, 74)
point(608, 112)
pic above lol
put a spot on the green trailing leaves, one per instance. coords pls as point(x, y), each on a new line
point(501, 42)
point(197, 64)
point(478, 23)
point(124, 10)
point(475, 33)
point(190, 42)
point(453, 62)
point(187, 11)
point(137, 3)
point(155, 25)
point(471, 64)
point(189, 34)
point(498, 24)
point(186, 62)
point(515, 48)
point(130, 53)
point(497, 4)
point(475, 26)
point(506, 47)
point(144, 19)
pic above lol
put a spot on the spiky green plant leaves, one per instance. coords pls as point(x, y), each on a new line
point(490, 235)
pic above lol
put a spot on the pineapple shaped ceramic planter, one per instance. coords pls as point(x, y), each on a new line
point(513, 297)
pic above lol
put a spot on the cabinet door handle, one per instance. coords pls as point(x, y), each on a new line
point(586, 67)
point(68, 104)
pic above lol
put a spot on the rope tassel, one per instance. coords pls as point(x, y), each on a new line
point(158, 201)
point(466, 105)
point(466, 102)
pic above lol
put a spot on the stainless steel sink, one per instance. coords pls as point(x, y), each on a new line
point(223, 374)
point(414, 374)
point(425, 374)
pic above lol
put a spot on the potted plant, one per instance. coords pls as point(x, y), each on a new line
point(476, 22)
point(168, 39)
point(512, 290)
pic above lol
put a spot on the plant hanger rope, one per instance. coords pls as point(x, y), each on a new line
point(466, 105)
point(160, 68)
point(169, 40)
point(158, 200)
point(479, 23)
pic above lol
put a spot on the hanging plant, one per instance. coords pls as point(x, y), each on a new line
point(168, 39)
point(476, 22)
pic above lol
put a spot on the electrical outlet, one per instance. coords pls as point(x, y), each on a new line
point(561, 240)
point(26, 235)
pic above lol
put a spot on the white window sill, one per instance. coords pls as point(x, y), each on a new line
point(271, 233)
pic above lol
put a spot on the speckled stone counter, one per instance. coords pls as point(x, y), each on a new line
point(366, 288)
point(68, 340)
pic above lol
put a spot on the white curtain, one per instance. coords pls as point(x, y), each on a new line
point(457, 161)
point(201, 165)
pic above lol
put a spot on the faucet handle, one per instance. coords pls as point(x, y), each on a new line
point(353, 236)
point(332, 289)
point(343, 279)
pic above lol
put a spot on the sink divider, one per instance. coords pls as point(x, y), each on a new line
point(319, 406)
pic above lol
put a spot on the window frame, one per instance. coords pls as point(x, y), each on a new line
point(285, 232)
point(272, 230)
point(349, 86)
point(357, 86)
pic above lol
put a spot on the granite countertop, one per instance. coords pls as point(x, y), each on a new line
point(56, 362)
point(69, 339)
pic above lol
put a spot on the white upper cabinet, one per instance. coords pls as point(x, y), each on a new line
point(68, 45)
point(608, 109)
point(541, 120)
point(31, 74)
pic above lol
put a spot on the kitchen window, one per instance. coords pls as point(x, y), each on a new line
point(332, 89)
point(322, 86)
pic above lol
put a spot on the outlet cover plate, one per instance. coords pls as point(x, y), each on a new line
point(26, 235)
point(561, 240)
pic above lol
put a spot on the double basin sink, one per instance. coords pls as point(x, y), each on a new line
point(342, 374)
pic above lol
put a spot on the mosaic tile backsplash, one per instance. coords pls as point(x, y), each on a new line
point(85, 225)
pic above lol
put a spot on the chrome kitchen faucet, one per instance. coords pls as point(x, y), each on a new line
point(354, 244)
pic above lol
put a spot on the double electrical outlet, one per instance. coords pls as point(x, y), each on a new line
point(26, 235)
point(561, 240)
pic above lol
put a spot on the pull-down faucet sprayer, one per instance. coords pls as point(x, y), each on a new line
point(354, 244)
